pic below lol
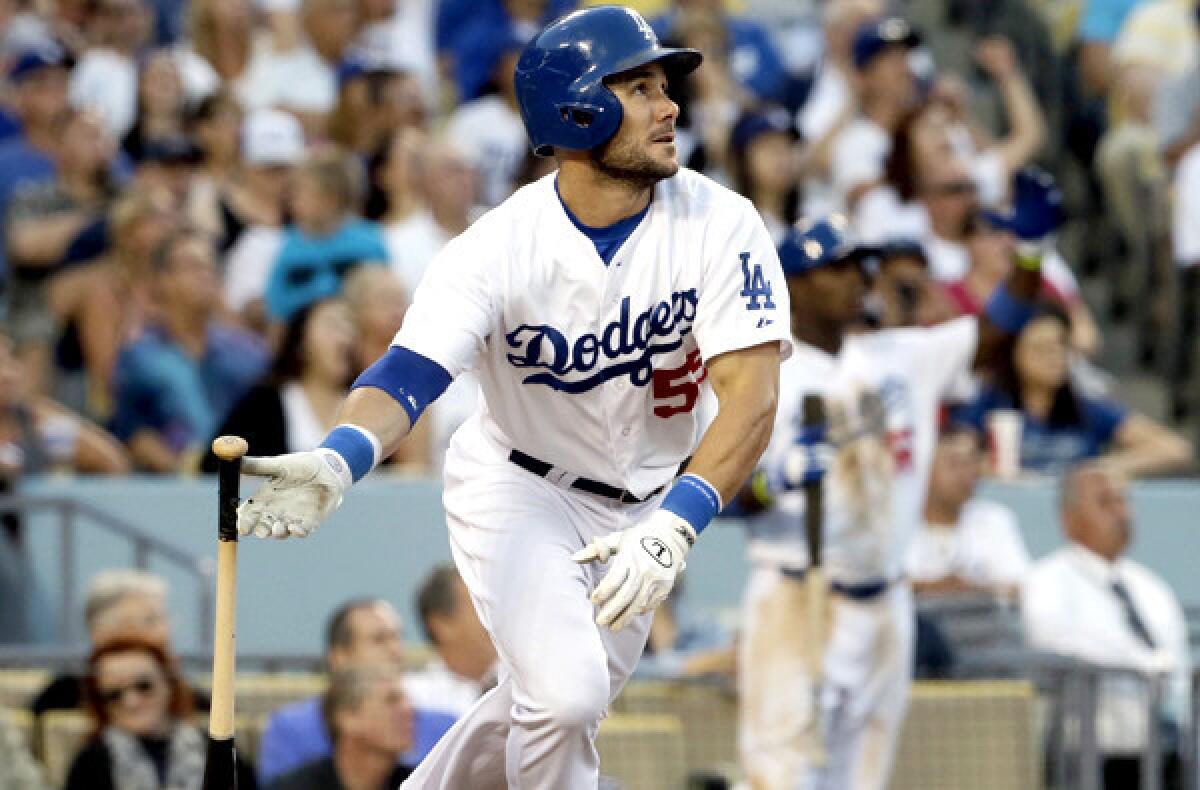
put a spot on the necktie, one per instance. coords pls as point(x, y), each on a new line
point(1136, 623)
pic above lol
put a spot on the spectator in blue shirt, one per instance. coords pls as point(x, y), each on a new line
point(361, 632)
point(753, 59)
point(39, 79)
point(176, 382)
point(1062, 426)
point(326, 240)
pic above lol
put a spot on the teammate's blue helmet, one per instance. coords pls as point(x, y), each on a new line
point(560, 76)
point(822, 242)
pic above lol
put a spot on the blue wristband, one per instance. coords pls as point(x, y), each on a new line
point(355, 447)
point(1008, 312)
point(694, 500)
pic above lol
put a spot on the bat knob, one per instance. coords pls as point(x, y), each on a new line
point(229, 448)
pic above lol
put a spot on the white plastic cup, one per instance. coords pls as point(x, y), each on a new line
point(1004, 428)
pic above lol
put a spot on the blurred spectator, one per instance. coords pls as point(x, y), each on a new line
point(1099, 25)
point(119, 602)
point(102, 304)
point(489, 130)
point(18, 769)
point(222, 42)
point(215, 124)
point(378, 302)
point(361, 632)
point(903, 293)
point(754, 61)
point(326, 239)
point(296, 404)
point(286, 72)
point(682, 646)
point(169, 166)
point(467, 32)
point(1090, 601)
point(38, 436)
point(966, 544)
point(1062, 426)
point(140, 706)
point(374, 100)
point(272, 144)
point(887, 92)
point(43, 220)
point(394, 194)
point(106, 78)
point(1185, 233)
point(159, 113)
point(1161, 35)
point(764, 166)
point(39, 81)
point(401, 32)
point(448, 185)
point(175, 383)
point(832, 102)
point(370, 722)
point(465, 666)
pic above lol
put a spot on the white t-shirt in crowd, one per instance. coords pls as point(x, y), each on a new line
point(882, 393)
point(297, 79)
point(881, 216)
point(858, 156)
point(491, 134)
point(949, 262)
point(106, 81)
point(829, 98)
point(437, 688)
point(406, 42)
point(1185, 218)
point(248, 265)
point(1069, 608)
point(304, 429)
point(595, 368)
point(984, 548)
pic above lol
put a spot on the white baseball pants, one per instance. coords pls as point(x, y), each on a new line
point(512, 535)
point(863, 697)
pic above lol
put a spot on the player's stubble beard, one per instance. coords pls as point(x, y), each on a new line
point(623, 161)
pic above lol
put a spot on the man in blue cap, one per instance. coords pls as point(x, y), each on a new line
point(39, 77)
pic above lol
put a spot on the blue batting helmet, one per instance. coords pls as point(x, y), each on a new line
point(560, 76)
point(823, 242)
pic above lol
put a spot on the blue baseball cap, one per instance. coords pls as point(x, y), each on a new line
point(814, 244)
point(755, 123)
point(875, 36)
point(33, 60)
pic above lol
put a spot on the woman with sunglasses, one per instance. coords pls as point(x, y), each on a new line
point(143, 738)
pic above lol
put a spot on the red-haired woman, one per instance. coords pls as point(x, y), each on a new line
point(144, 739)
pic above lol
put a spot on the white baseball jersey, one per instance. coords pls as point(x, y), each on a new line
point(596, 368)
point(882, 392)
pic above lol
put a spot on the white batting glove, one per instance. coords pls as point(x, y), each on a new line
point(646, 560)
point(303, 490)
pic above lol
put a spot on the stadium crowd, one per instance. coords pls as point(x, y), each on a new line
point(215, 211)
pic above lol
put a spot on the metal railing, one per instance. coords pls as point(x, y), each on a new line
point(70, 513)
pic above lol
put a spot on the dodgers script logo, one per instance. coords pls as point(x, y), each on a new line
point(631, 339)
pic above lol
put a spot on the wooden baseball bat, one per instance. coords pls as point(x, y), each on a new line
point(815, 589)
point(220, 768)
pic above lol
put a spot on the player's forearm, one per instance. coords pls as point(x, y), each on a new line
point(379, 413)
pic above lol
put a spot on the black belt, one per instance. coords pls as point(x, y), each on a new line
point(548, 471)
point(860, 591)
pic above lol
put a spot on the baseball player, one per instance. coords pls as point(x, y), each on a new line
point(881, 393)
point(591, 304)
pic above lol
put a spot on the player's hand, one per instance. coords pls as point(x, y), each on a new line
point(304, 488)
point(806, 461)
point(645, 561)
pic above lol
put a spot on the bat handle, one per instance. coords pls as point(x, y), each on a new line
point(229, 451)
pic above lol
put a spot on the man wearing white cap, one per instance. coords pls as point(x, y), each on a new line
point(272, 142)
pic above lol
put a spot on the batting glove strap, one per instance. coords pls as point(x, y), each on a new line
point(646, 559)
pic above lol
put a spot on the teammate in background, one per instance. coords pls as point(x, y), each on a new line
point(881, 392)
point(592, 303)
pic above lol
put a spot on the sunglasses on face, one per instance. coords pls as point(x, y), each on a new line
point(142, 686)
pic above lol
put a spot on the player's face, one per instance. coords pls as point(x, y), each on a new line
point(831, 294)
point(643, 149)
